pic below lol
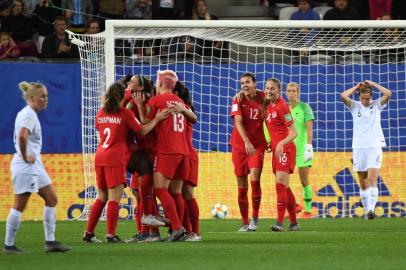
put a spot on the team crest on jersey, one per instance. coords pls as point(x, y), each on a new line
point(274, 114)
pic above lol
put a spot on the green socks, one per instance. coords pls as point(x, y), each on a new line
point(307, 197)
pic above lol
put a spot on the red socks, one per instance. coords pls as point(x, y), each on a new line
point(169, 207)
point(281, 201)
point(95, 213)
point(243, 204)
point(112, 217)
point(194, 215)
point(256, 196)
point(138, 213)
point(186, 219)
point(291, 205)
point(147, 195)
point(180, 204)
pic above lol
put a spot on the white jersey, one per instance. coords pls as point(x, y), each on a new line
point(27, 118)
point(367, 130)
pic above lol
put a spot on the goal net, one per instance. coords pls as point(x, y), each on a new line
point(324, 58)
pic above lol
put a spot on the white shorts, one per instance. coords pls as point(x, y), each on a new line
point(367, 158)
point(25, 182)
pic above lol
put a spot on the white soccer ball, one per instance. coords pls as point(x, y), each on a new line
point(219, 210)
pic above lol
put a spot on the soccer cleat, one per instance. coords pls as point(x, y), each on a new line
point(294, 227)
point(193, 237)
point(177, 235)
point(151, 221)
point(55, 246)
point(306, 215)
point(154, 237)
point(113, 239)
point(244, 228)
point(277, 228)
point(252, 227)
point(12, 250)
point(141, 237)
point(370, 215)
point(164, 220)
point(90, 238)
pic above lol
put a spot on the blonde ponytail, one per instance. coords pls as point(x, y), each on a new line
point(29, 89)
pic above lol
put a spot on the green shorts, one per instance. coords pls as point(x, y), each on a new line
point(300, 162)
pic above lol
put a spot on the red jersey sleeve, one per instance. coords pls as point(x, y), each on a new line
point(132, 122)
point(235, 108)
point(286, 115)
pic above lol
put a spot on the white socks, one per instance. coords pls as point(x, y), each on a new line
point(12, 225)
point(364, 194)
point(49, 220)
point(373, 198)
point(369, 198)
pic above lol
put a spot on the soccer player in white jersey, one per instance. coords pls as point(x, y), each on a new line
point(368, 139)
point(28, 172)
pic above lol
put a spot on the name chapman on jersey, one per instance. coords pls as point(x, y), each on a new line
point(109, 120)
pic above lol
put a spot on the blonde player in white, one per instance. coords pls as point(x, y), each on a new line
point(368, 139)
point(28, 172)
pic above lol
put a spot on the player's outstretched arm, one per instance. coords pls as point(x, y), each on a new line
point(189, 114)
point(345, 96)
point(386, 92)
point(159, 116)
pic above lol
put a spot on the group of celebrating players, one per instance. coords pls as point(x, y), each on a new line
point(147, 131)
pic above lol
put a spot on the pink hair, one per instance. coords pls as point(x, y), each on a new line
point(167, 78)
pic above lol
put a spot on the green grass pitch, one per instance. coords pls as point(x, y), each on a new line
point(322, 244)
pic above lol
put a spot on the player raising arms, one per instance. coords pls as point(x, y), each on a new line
point(113, 123)
point(367, 139)
point(282, 132)
point(172, 151)
point(248, 146)
point(28, 172)
point(304, 118)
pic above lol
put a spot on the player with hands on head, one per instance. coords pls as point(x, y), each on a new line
point(304, 118)
point(367, 140)
point(248, 146)
point(282, 131)
point(28, 172)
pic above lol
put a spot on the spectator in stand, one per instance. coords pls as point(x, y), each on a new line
point(399, 9)
point(57, 44)
point(201, 11)
point(377, 8)
point(361, 7)
point(92, 26)
point(341, 11)
point(8, 48)
point(138, 10)
point(43, 17)
point(30, 6)
point(111, 9)
point(168, 9)
point(20, 28)
point(305, 12)
point(78, 12)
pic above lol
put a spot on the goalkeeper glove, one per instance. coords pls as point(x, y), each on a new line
point(308, 153)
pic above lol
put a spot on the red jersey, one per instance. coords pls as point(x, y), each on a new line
point(252, 120)
point(189, 131)
point(171, 137)
point(113, 130)
point(147, 141)
point(278, 119)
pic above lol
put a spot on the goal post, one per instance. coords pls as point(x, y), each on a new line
point(324, 57)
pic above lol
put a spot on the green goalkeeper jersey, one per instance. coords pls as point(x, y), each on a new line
point(301, 113)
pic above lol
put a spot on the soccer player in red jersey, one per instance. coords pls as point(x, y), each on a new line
point(113, 123)
point(191, 214)
point(172, 151)
point(282, 131)
point(248, 146)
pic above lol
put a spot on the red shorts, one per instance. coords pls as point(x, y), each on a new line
point(193, 172)
point(109, 177)
point(286, 163)
point(172, 166)
point(243, 163)
point(134, 181)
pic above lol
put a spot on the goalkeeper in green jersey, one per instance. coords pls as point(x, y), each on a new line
point(304, 118)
